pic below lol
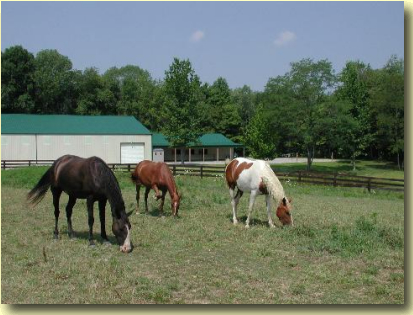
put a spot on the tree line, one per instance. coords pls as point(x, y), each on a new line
point(310, 110)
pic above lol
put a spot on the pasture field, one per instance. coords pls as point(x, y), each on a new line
point(347, 246)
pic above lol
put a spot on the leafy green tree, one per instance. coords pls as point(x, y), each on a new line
point(17, 85)
point(135, 90)
point(55, 79)
point(182, 97)
point(245, 100)
point(354, 89)
point(95, 97)
point(221, 115)
point(387, 103)
point(295, 100)
point(260, 140)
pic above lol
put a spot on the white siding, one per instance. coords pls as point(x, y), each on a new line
point(51, 147)
point(18, 147)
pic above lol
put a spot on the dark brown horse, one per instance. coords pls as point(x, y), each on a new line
point(156, 176)
point(89, 179)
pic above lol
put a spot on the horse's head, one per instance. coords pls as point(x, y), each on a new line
point(121, 228)
point(176, 200)
point(284, 212)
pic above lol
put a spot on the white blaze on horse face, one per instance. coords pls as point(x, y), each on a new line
point(126, 247)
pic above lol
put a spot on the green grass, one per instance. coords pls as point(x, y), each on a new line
point(347, 246)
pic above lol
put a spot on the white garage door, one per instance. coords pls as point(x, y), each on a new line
point(132, 152)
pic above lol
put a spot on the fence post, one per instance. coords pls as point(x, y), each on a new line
point(4, 164)
point(299, 176)
point(174, 169)
point(202, 171)
point(335, 179)
point(30, 163)
point(128, 167)
point(369, 185)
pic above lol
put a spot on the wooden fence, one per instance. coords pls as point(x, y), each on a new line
point(317, 178)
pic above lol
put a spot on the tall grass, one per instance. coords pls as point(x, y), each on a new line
point(347, 246)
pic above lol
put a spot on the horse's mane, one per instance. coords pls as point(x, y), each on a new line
point(272, 183)
point(112, 189)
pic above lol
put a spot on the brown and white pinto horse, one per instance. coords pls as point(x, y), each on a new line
point(156, 176)
point(257, 177)
point(89, 179)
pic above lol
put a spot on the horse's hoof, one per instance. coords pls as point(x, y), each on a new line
point(247, 226)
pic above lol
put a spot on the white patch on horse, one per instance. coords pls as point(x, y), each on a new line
point(126, 247)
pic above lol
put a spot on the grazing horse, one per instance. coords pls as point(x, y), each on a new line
point(257, 177)
point(89, 179)
point(156, 176)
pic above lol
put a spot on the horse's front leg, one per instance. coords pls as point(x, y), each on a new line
point(162, 202)
point(102, 206)
point(158, 195)
point(268, 203)
point(253, 195)
point(146, 198)
point(90, 201)
point(138, 188)
point(56, 197)
point(69, 211)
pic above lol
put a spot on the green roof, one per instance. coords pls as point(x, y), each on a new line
point(71, 124)
point(159, 140)
point(207, 140)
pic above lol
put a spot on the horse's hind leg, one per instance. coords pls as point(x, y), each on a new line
point(102, 217)
point(234, 202)
point(90, 201)
point(56, 197)
point(69, 211)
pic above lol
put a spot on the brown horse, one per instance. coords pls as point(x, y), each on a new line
point(89, 179)
point(156, 176)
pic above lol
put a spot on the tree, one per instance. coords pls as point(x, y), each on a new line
point(95, 97)
point(387, 103)
point(354, 89)
point(136, 92)
point(260, 140)
point(221, 113)
point(182, 96)
point(17, 85)
point(295, 100)
point(55, 79)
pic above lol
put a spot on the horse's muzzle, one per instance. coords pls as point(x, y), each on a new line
point(126, 248)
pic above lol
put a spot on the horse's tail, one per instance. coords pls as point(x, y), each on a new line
point(37, 193)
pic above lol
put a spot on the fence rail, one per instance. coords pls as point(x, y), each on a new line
point(316, 178)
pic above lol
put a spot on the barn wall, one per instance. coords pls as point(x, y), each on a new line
point(105, 147)
point(51, 147)
point(18, 147)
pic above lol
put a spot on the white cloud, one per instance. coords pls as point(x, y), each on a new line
point(197, 36)
point(284, 38)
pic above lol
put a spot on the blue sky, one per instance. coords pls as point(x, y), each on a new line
point(244, 42)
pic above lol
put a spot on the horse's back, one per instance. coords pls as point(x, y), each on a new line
point(150, 173)
point(244, 173)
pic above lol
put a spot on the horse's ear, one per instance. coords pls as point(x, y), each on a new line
point(284, 201)
point(130, 213)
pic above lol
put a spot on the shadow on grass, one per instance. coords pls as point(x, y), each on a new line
point(253, 222)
